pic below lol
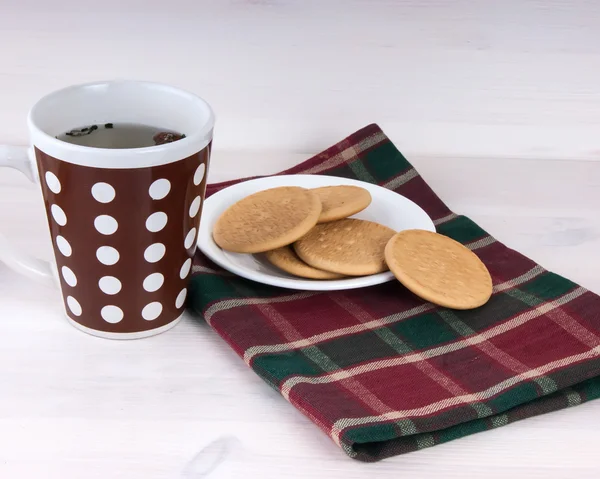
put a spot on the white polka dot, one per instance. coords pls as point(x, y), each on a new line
point(107, 255)
point(69, 276)
point(59, 215)
point(189, 239)
point(63, 246)
point(154, 252)
point(199, 175)
point(105, 224)
point(53, 182)
point(181, 298)
point(74, 305)
point(185, 269)
point(103, 192)
point(195, 207)
point(156, 221)
point(152, 311)
point(159, 189)
point(109, 285)
point(111, 314)
point(153, 282)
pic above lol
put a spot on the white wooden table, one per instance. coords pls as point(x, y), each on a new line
point(497, 104)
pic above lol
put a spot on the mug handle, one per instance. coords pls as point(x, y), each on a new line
point(18, 158)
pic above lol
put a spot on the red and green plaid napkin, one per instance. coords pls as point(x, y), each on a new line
point(383, 372)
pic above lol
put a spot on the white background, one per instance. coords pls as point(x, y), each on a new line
point(496, 103)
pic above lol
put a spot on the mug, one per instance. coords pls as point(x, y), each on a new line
point(123, 222)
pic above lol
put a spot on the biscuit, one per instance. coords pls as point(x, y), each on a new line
point(350, 246)
point(438, 269)
point(287, 260)
point(341, 201)
point(267, 220)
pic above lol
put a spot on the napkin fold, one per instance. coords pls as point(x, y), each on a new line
point(383, 372)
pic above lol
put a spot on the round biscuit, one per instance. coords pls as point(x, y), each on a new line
point(287, 260)
point(267, 220)
point(341, 201)
point(438, 269)
point(350, 246)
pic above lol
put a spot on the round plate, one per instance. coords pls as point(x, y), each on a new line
point(387, 208)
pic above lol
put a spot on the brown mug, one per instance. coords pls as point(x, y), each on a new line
point(123, 222)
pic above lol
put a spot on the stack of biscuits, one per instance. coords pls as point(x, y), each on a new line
point(308, 233)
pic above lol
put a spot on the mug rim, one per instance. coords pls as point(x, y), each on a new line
point(201, 136)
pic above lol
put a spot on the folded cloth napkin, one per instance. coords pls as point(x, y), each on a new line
point(383, 372)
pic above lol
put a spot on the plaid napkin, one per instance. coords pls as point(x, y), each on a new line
point(383, 372)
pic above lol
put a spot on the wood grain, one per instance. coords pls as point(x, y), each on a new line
point(497, 104)
point(177, 404)
point(514, 78)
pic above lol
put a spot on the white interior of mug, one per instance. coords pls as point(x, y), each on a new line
point(147, 103)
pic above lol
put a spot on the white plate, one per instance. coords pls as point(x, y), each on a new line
point(387, 208)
